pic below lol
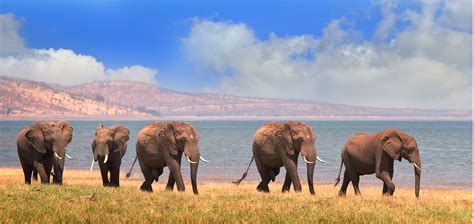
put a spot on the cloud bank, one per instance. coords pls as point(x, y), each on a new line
point(424, 64)
point(60, 66)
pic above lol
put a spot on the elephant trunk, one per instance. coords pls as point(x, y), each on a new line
point(310, 173)
point(194, 168)
point(417, 161)
point(58, 162)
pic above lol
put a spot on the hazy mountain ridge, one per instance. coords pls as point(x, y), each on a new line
point(21, 97)
point(136, 99)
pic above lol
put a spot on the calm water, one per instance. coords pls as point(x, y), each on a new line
point(445, 148)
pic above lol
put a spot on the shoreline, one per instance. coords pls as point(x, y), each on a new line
point(74, 176)
point(231, 118)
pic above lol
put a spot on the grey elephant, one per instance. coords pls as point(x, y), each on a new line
point(108, 147)
point(42, 148)
point(374, 153)
point(278, 145)
point(162, 145)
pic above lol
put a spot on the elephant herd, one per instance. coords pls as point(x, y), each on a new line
point(42, 149)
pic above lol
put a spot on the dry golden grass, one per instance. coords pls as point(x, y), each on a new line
point(218, 202)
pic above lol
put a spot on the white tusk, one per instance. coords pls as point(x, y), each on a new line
point(320, 160)
point(202, 159)
point(92, 165)
point(69, 157)
point(106, 158)
point(306, 161)
point(57, 156)
point(189, 160)
point(416, 166)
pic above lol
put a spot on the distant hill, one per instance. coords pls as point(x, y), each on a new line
point(141, 100)
point(27, 98)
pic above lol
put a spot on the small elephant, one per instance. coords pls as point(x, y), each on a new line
point(374, 153)
point(109, 147)
point(279, 144)
point(162, 145)
point(42, 148)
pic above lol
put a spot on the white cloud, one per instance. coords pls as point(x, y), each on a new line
point(61, 66)
point(11, 42)
point(425, 64)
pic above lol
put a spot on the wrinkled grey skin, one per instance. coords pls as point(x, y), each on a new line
point(278, 145)
point(375, 153)
point(36, 146)
point(112, 142)
point(162, 145)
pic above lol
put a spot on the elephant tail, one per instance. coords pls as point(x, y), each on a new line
point(245, 174)
point(339, 176)
point(131, 168)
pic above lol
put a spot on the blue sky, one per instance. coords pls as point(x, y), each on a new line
point(161, 36)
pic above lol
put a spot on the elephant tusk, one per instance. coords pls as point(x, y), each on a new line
point(189, 160)
point(92, 165)
point(306, 161)
point(69, 157)
point(202, 159)
point(320, 160)
point(106, 158)
point(57, 156)
point(417, 167)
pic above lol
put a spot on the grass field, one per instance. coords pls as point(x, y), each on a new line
point(217, 202)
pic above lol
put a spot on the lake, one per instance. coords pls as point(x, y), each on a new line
point(445, 148)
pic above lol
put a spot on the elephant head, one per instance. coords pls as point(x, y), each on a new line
point(182, 138)
point(298, 137)
point(399, 145)
point(52, 138)
point(107, 139)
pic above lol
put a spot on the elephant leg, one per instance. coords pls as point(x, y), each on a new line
point(345, 183)
point(385, 186)
point(27, 170)
point(115, 174)
point(48, 166)
point(104, 171)
point(386, 173)
point(175, 170)
point(291, 168)
point(386, 178)
point(355, 183)
point(287, 183)
point(171, 181)
point(264, 174)
point(40, 168)
point(147, 173)
point(157, 173)
point(274, 173)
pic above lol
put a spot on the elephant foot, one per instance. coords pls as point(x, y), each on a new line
point(263, 188)
point(146, 188)
point(342, 194)
point(285, 190)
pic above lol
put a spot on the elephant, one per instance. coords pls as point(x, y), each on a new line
point(42, 148)
point(162, 145)
point(365, 154)
point(109, 146)
point(279, 144)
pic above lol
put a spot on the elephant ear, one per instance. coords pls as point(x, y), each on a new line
point(121, 137)
point(35, 137)
point(167, 136)
point(67, 130)
point(392, 144)
point(283, 135)
point(99, 126)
